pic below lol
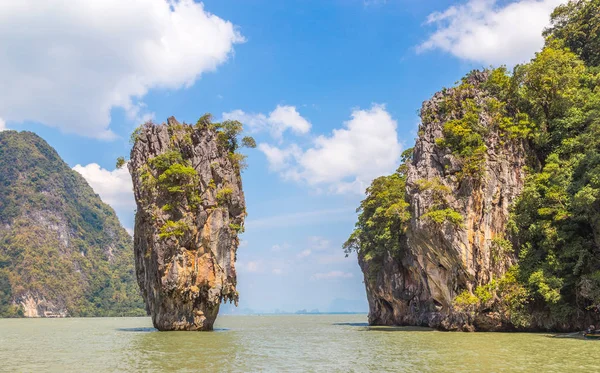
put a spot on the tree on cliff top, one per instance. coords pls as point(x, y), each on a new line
point(577, 23)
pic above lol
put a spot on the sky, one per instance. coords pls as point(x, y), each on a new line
point(330, 89)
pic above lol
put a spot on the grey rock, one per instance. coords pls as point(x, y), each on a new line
point(440, 260)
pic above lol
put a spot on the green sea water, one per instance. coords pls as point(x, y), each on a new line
point(298, 343)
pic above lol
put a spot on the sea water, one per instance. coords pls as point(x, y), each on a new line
point(287, 343)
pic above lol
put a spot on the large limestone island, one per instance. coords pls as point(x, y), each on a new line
point(62, 250)
point(492, 222)
point(190, 209)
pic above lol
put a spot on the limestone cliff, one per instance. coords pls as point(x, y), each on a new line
point(190, 208)
point(491, 222)
point(459, 207)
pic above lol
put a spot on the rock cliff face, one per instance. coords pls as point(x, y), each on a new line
point(34, 306)
point(440, 257)
point(190, 208)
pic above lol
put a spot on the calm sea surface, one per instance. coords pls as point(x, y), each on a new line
point(322, 343)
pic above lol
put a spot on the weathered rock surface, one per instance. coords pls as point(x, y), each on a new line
point(186, 232)
point(37, 306)
point(440, 260)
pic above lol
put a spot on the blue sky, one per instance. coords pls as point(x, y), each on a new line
point(330, 89)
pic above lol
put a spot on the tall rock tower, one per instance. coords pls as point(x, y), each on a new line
point(190, 209)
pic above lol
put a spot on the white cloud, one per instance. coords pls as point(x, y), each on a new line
point(374, 2)
point(277, 122)
point(318, 243)
point(302, 218)
point(280, 159)
point(2, 124)
point(68, 63)
point(114, 187)
point(252, 122)
point(261, 267)
point(284, 117)
point(346, 161)
point(331, 275)
point(485, 31)
point(334, 258)
point(304, 253)
point(277, 247)
point(324, 252)
point(253, 266)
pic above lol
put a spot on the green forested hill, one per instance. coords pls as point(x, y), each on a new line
point(62, 250)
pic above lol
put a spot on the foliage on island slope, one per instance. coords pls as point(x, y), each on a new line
point(552, 102)
point(556, 220)
point(383, 216)
point(58, 240)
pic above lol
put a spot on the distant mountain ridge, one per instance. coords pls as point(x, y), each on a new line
point(63, 251)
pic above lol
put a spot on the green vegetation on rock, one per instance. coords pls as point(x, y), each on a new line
point(464, 136)
point(173, 229)
point(440, 211)
point(228, 133)
point(506, 295)
point(383, 216)
point(120, 162)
